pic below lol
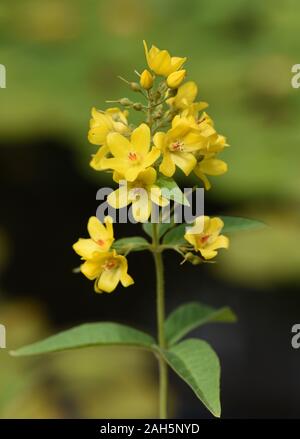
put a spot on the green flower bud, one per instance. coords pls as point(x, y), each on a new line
point(135, 86)
point(137, 106)
point(126, 102)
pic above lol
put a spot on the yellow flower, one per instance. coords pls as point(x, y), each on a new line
point(216, 143)
point(207, 239)
point(146, 79)
point(178, 146)
point(211, 166)
point(175, 79)
point(107, 267)
point(185, 96)
point(161, 62)
point(101, 124)
point(101, 238)
point(141, 193)
point(130, 157)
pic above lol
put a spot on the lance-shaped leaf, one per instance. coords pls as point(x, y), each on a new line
point(235, 224)
point(132, 244)
point(192, 315)
point(175, 236)
point(90, 334)
point(198, 365)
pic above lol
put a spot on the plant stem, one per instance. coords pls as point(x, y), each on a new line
point(160, 312)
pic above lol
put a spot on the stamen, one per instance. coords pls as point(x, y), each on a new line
point(203, 239)
point(177, 146)
point(109, 264)
point(132, 156)
point(100, 242)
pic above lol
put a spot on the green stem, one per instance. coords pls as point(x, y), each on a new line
point(160, 311)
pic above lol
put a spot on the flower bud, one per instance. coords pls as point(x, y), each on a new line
point(146, 80)
point(158, 115)
point(125, 101)
point(135, 86)
point(193, 259)
point(137, 106)
point(175, 79)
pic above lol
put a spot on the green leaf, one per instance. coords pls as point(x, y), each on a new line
point(90, 334)
point(192, 315)
point(175, 236)
point(132, 244)
point(198, 365)
point(235, 224)
point(171, 190)
point(162, 228)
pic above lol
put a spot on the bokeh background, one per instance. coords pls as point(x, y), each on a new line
point(62, 58)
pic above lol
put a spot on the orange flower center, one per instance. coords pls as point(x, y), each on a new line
point(101, 242)
point(109, 264)
point(203, 239)
point(177, 146)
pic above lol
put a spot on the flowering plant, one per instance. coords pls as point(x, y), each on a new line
point(176, 133)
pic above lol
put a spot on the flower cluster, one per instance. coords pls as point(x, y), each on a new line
point(177, 134)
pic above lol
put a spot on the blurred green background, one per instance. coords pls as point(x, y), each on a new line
point(63, 57)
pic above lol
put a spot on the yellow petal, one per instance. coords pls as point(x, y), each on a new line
point(156, 196)
point(132, 172)
point(95, 163)
point(118, 198)
point(161, 63)
point(175, 79)
point(140, 139)
point(97, 135)
point(108, 221)
point(200, 226)
point(208, 254)
point(202, 177)
point(215, 224)
point(125, 278)
point(220, 242)
point(146, 51)
point(119, 146)
point(86, 248)
point(179, 129)
point(191, 238)
point(148, 177)
point(91, 268)
point(213, 166)
point(141, 208)
point(114, 163)
point(99, 234)
point(167, 166)
point(151, 157)
point(194, 141)
point(186, 94)
point(109, 280)
point(146, 80)
point(177, 62)
point(100, 120)
point(117, 177)
point(159, 140)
